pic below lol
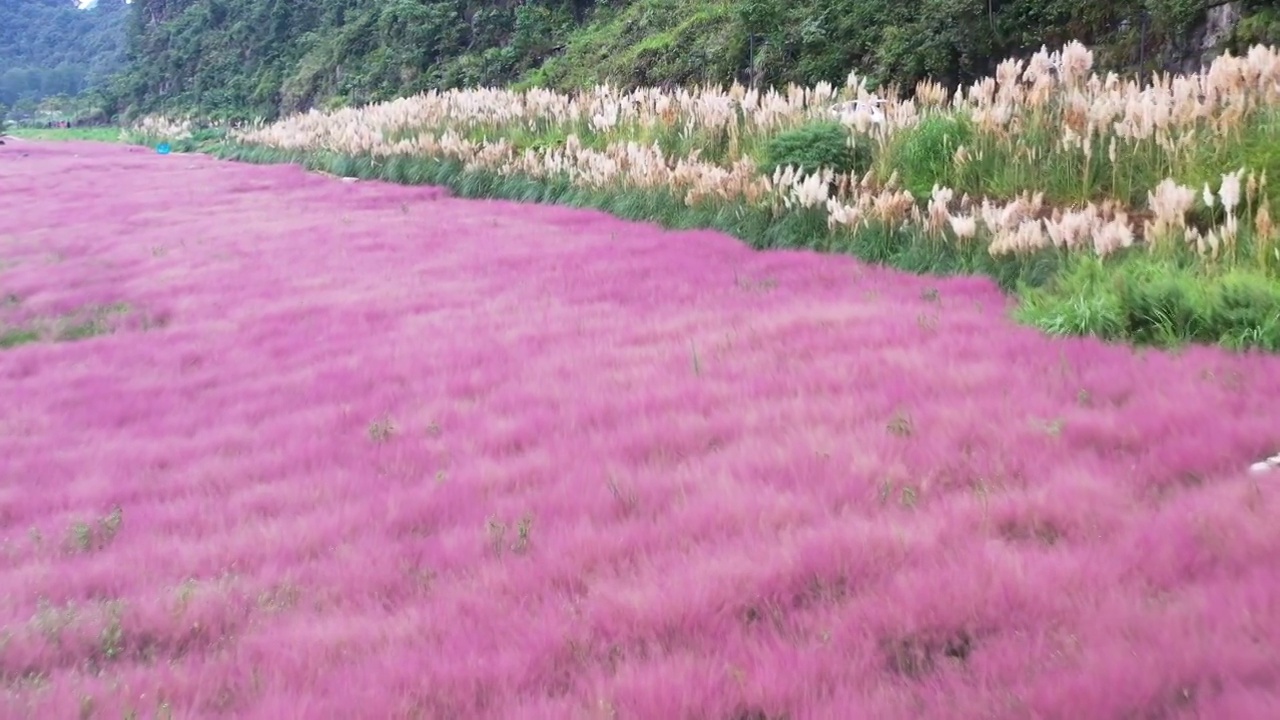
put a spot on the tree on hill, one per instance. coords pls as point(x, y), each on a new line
point(265, 57)
point(52, 47)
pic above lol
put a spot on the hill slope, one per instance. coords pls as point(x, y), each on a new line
point(261, 57)
point(49, 47)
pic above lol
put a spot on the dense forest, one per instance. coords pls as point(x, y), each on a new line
point(238, 58)
point(262, 57)
point(52, 47)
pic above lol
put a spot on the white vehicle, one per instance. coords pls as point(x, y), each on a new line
point(868, 107)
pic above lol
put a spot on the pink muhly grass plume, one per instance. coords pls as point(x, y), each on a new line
point(358, 450)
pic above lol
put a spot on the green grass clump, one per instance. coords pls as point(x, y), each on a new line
point(14, 337)
point(1148, 301)
point(82, 325)
point(925, 154)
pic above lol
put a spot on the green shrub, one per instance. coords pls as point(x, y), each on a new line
point(823, 144)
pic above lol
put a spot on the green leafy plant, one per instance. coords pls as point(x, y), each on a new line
point(822, 144)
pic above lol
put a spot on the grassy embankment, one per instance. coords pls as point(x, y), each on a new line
point(97, 134)
point(1133, 213)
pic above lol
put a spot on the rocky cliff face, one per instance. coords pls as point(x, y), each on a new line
point(1207, 39)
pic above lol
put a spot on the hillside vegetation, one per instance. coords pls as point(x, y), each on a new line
point(50, 48)
point(265, 57)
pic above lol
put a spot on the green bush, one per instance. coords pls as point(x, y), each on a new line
point(823, 144)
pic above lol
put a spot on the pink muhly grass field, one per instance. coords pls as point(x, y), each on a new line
point(381, 453)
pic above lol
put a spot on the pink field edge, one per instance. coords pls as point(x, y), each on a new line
point(382, 453)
